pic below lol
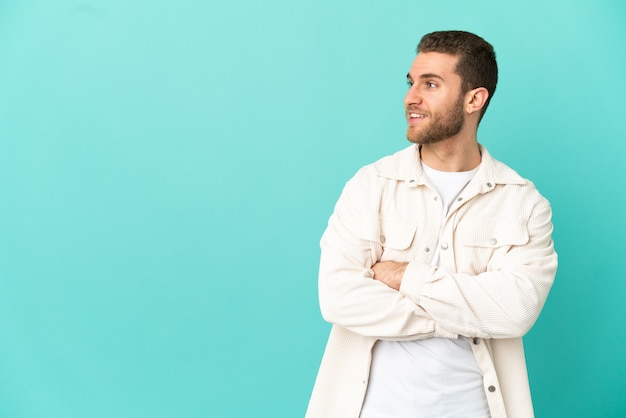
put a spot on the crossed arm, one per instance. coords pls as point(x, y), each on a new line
point(402, 301)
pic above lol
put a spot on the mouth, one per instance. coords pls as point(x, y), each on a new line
point(415, 116)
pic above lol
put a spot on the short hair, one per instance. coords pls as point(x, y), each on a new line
point(477, 64)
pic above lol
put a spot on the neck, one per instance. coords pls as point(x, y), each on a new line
point(452, 154)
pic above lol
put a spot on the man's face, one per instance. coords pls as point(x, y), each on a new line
point(434, 103)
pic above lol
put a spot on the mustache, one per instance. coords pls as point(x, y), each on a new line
point(414, 108)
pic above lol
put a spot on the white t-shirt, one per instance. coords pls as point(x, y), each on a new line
point(435, 377)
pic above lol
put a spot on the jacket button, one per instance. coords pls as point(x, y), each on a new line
point(493, 241)
point(382, 239)
point(476, 341)
point(491, 388)
point(444, 246)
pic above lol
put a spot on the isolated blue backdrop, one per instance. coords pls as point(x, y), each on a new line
point(167, 169)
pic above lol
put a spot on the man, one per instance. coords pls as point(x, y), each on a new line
point(435, 262)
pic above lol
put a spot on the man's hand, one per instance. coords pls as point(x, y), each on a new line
point(390, 273)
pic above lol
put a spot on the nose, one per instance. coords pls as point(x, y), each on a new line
point(412, 96)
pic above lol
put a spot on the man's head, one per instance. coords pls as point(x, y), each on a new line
point(476, 63)
point(451, 82)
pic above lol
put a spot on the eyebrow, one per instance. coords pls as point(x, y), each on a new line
point(427, 75)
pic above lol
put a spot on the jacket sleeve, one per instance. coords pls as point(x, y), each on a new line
point(502, 302)
point(348, 294)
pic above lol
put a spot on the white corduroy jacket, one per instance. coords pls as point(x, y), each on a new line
point(497, 264)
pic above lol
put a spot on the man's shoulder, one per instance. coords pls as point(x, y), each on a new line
point(505, 174)
point(502, 173)
point(511, 180)
point(398, 165)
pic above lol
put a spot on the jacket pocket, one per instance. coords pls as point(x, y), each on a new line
point(396, 239)
point(490, 234)
point(484, 244)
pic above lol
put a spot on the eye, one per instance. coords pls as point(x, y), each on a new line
point(409, 83)
point(430, 85)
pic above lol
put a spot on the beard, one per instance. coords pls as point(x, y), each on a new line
point(442, 125)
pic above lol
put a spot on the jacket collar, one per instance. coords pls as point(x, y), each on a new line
point(405, 165)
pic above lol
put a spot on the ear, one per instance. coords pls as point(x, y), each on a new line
point(475, 99)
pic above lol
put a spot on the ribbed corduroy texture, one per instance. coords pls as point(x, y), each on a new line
point(497, 264)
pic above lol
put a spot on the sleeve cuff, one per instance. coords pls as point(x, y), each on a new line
point(441, 332)
point(415, 276)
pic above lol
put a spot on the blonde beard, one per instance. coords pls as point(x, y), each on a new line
point(442, 125)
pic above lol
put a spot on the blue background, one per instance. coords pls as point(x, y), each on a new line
point(167, 169)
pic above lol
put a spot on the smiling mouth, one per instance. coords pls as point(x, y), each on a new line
point(414, 116)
